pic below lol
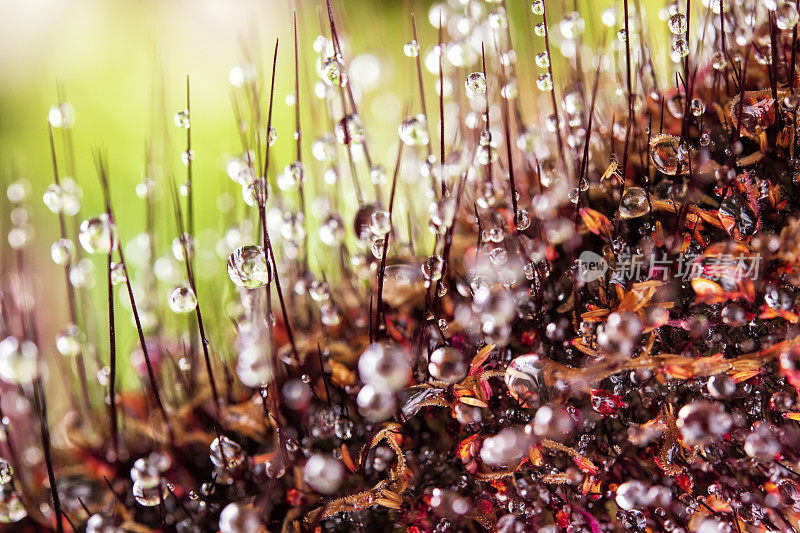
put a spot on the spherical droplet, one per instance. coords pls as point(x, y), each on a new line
point(414, 131)
point(62, 251)
point(225, 453)
point(18, 360)
point(432, 268)
point(411, 48)
point(447, 364)
point(182, 298)
point(98, 235)
point(677, 24)
point(375, 403)
point(380, 223)
point(182, 119)
point(664, 153)
point(522, 379)
point(149, 496)
point(786, 15)
point(68, 341)
point(248, 268)
point(475, 84)
point(634, 203)
point(544, 82)
point(323, 473)
point(238, 518)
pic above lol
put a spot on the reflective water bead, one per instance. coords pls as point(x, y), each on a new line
point(332, 72)
point(380, 223)
point(52, 198)
point(62, 251)
point(537, 7)
point(475, 84)
point(238, 518)
point(522, 379)
point(718, 61)
point(6, 471)
point(542, 59)
point(786, 16)
point(376, 248)
point(98, 235)
point(293, 227)
point(182, 298)
point(634, 203)
point(432, 268)
point(331, 232)
point(679, 50)
point(187, 157)
point(447, 364)
point(149, 496)
point(18, 360)
point(539, 29)
point(247, 267)
point(182, 119)
point(118, 274)
point(61, 115)
point(377, 175)
point(349, 130)
point(677, 24)
point(664, 153)
point(323, 473)
point(698, 107)
point(225, 453)
point(11, 506)
point(375, 403)
point(384, 365)
point(292, 177)
point(68, 341)
point(411, 48)
point(414, 131)
point(544, 82)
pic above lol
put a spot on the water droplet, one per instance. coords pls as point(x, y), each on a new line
point(384, 365)
point(677, 24)
point(414, 131)
point(182, 119)
point(62, 251)
point(323, 473)
point(182, 298)
point(537, 7)
point(61, 115)
point(544, 82)
point(149, 496)
point(475, 84)
point(447, 364)
point(543, 59)
point(68, 341)
point(522, 379)
point(411, 49)
point(226, 454)
point(332, 72)
point(98, 235)
point(633, 203)
point(664, 153)
point(432, 268)
point(248, 268)
point(380, 223)
point(375, 403)
point(786, 15)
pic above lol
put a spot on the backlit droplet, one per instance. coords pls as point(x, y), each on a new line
point(331, 232)
point(475, 84)
point(522, 379)
point(677, 24)
point(544, 82)
point(6, 471)
point(323, 473)
point(718, 61)
point(18, 360)
point(786, 15)
point(542, 59)
point(68, 341)
point(98, 235)
point(182, 119)
point(432, 268)
point(52, 198)
point(380, 223)
point(226, 453)
point(61, 115)
point(182, 299)
point(238, 518)
point(679, 50)
point(414, 131)
point(384, 365)
point(333, 72)
point(633, 203)
point(447, 364)
point(411, 49)
point(118, 274)
point(62, 251)
point(537, 7)
point(375, 403)
point(149, 496)
point(664, 153)
point(248, 268)
point(349, 130)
